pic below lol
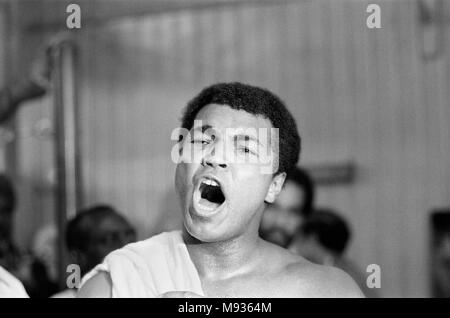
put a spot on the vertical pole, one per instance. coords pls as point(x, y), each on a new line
point(3, 39)
point(8, 48)
point(66, 146)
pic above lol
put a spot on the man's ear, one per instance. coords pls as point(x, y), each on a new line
point(275, 187)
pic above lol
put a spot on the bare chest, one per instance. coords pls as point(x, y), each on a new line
point(252, 286)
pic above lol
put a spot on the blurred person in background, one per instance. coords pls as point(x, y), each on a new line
point(28, 270)
point(9, 254)
point(93, 234)
point(24, 266)
point(90, 236)
point(323, 239)
point(43, 267)
point(440, 268)
point(281, 219)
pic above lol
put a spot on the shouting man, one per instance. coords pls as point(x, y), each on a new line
point(237, 145)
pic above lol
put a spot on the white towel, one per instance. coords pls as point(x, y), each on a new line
point(150, 268)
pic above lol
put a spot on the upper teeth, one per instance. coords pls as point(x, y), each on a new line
point(210, 182)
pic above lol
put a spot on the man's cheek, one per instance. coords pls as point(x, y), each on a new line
point(252, 179)
point(189, 153)
point(180, 178)
point(183, 178)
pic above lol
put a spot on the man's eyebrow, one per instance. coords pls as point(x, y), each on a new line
point(246, 138)
point(203, 128)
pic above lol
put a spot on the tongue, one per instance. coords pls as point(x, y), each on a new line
point(208, 204)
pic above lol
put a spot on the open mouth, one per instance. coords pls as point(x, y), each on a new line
point(210, 195)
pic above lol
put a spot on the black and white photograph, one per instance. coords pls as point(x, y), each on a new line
point(224, 149)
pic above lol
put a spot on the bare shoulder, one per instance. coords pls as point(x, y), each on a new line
point(301, 278)
point(98, 286)
point(323, 281)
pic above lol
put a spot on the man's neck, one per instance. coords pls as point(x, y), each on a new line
point(226, 259)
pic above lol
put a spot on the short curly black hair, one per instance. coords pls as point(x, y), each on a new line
point(80, 229)
point(256, 101)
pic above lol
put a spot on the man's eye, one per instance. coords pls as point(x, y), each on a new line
point(200, 141)
point(246, 150)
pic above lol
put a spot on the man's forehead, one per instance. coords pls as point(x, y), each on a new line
point(237, 132)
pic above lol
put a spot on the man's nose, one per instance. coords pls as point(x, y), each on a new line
point(215, 157)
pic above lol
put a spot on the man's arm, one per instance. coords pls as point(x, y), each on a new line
point(98, 286)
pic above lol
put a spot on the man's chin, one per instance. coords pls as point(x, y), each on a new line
point(206, 233)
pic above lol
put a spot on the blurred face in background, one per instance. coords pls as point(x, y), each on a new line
point(111, 233)
point(282, 218)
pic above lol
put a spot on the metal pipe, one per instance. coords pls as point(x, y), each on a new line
point(66, 145)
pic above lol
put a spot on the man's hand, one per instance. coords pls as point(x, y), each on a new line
point(11, 287)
